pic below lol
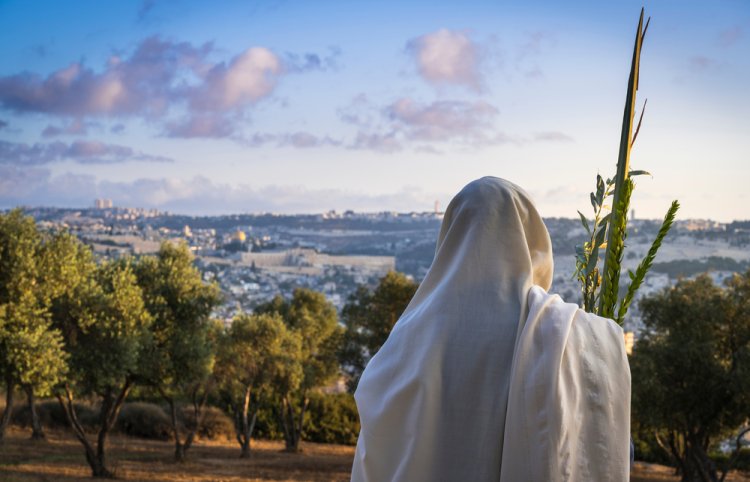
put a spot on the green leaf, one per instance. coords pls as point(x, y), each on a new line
point(639, 173)
point(599, 189)
point(599, 239)
point(585, 222)
point(593, 200)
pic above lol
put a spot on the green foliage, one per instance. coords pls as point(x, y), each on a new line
point(179, 355)
point(691, 367)
point(333, 419)
point(637, 277)
point(109, 332)
point(600, 289)
point(369, 317)
point(257, 355)
point(255, 352)
point(311, 317)
point(30, 348)
point(685, 268)
point(616, 235)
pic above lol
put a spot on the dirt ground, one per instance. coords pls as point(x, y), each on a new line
point(61, 459)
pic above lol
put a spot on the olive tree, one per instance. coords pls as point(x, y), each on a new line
point(691, 370)
point(106, 328)
point(179, 359)
point(309, 315)
point(256, 354)
point(369, 316)
point(31, 355)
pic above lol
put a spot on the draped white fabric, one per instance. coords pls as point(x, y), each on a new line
point(433, 401)
point(569, 407)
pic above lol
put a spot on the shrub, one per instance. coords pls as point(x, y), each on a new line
point(146, 420)
point(332, 418)
point(267, 424)
point(216, 424)
point(51, 415)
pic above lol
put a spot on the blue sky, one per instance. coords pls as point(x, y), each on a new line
point(302, 106)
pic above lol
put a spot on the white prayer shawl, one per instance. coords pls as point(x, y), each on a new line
point(569, 406)
point(433, 401)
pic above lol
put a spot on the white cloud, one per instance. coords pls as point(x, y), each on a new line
point(443, 120)
point(447, 57)
point(81, 151)
point(248, 78)
point(198, 195)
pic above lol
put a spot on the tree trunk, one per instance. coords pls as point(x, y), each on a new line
point(292, 424)
point(697, 465)
point(98, 468)
point(37, 432)
point(179, 449)
point(288, 425)
point(8, 412)
point(108, 413)
point(244, 425)
point(245, 444)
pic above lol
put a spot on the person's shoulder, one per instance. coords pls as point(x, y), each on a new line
point(538, 296)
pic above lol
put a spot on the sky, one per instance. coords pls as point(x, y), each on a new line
point(307, 106)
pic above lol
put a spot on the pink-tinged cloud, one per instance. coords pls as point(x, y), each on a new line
point(442, 120)
point(82, 151)
point(76, 127)
point(730, 36)
point(201, 125)
point(144, 84)
point(297, 140)
point(385, 142)
point(447, 57)
point(176, 85)
point(249, 77)
point(407, 123)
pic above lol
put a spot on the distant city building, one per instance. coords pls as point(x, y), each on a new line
point(187, 232)
point(103, 204)
point(700, 225)
point(239, 235)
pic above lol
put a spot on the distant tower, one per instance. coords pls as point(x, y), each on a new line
point(632, 214)
point(187, 232)
point(437, 206)
point(103, 204)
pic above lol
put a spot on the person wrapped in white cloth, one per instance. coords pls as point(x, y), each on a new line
point(486, 376)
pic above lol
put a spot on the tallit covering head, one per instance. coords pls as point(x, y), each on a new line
point(438, 387)
point(486, 376)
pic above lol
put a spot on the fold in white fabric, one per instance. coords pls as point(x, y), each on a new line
point(569, 405)
point(433, 402)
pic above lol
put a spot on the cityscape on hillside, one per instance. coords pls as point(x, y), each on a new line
point(254, 257)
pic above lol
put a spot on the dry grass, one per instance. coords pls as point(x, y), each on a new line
point(61, 459)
